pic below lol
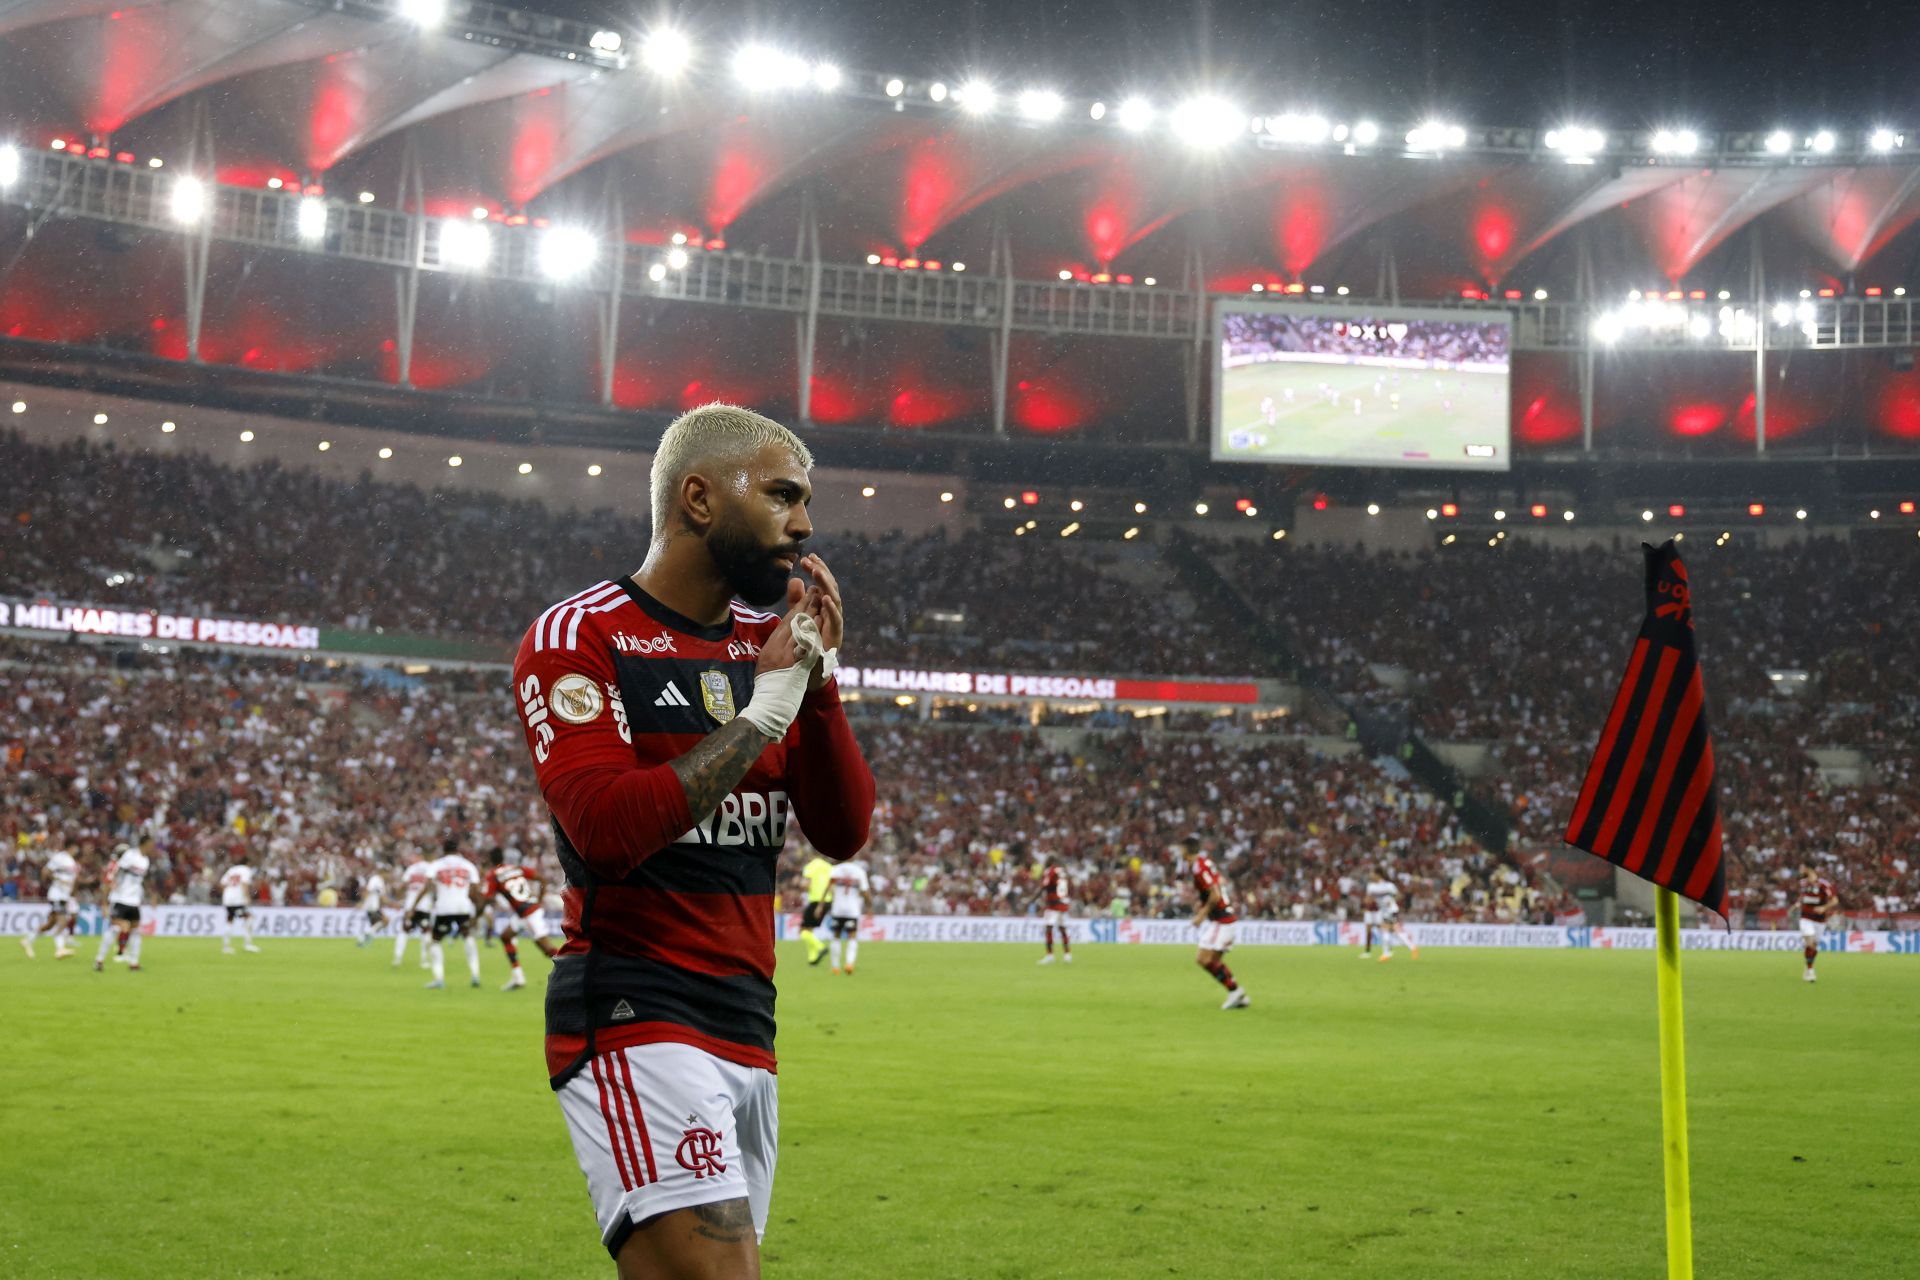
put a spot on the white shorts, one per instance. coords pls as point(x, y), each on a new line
point(60, 906)
point(660, 1127)
point(1054, 919)
point(533, 925)
point(1811, 928)
point(1216, 935)
point(1371, 917)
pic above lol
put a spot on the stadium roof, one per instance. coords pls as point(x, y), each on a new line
point(510, 109)
point(515, 115)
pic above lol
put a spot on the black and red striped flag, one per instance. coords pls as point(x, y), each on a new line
point(1649, 803)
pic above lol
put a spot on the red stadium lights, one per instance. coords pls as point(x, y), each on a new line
point(908, 264)
point(1449, 509)
point(1906, 508)
point(1320, 502)
point(1674, 295)
point(1241, 504)
point(1756, 508)
point(1826, 293)
point(1698, 295)
point(1123, 279)
point(931, 264)
point(1676, 511)
point(96, 153)
point(716, 244)
point(123, 157)
point(1511, 295)
point(1873, 291)
point(1030, 497)
point(1102, 277)
point(1538, 511)
point(1296, 287)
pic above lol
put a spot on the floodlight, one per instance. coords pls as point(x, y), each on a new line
point(1822, 142)
point(423, 13)
point(1135, 114)
point(464, 243)
point(1040, 104)
point(9, 166)
point(666, 52)
point(1779, 142)
point(975, 97)
point(310, 219)
point(188, 200)
point(1207, 121)
point(565, 252)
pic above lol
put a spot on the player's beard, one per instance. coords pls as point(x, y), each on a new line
point(752, 570)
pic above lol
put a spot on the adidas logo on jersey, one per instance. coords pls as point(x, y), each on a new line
point(622, 1011)
point(671, 697)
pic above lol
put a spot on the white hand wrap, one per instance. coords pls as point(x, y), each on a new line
point(777, 694)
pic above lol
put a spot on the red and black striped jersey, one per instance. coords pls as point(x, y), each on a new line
point(669, 914)
point(1207, 878)
point(516, 884)
point(1054, 885)
point(1818, 899)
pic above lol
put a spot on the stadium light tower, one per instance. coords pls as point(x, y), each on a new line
point(1207, 121)
point(666, 51)
point(188, 200)
point(566, 252)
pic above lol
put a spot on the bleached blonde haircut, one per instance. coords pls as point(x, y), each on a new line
point(713, 433)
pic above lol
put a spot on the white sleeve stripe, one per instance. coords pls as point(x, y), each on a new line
point(540, 626)
point(551, 638)
point(581, 611)
point(753, 615)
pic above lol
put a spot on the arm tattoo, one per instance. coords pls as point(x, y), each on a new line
point(729, 1222)
point(715, 764)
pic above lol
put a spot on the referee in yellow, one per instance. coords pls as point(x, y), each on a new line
point(819, 874)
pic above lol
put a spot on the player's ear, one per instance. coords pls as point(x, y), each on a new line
point(696, 502)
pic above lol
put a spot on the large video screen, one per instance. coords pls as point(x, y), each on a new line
point(1362, 386)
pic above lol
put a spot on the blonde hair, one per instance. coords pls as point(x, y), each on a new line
point(700, 435)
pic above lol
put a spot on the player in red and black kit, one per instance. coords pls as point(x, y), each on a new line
point(674, 731)
point(521, 890)
point(1818, 899)
point(1214, 917)
point(1053, 893)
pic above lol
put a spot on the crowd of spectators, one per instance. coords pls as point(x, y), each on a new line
point(1449, 343)
point(93, 525)
point(320, 774)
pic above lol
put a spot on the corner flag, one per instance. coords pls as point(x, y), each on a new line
point(1649, 803)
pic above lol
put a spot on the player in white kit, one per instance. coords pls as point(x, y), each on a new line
point(126, 889)
point(373, 895)
point(63, 872)
point(1383, 896)
point(456, 901)
point(236, 895)
point(417, 876)
point(850, 889)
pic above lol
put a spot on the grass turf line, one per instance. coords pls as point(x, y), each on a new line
point(957, 1111)
point(1313, 428)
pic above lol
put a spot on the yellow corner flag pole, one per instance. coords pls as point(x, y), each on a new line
point(1673, 1089)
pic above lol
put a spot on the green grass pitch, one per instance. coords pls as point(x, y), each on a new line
point(1381, 434)
point(957, 1111)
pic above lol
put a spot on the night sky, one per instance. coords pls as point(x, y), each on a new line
point(1708, 64)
